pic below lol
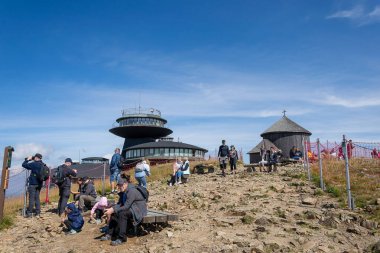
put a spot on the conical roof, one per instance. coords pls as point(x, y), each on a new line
point(285, 125)
point(265, 143)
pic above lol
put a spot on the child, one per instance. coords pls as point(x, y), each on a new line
point(97, 210)
point(74, 221)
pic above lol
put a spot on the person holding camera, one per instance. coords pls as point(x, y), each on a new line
point(34, 164)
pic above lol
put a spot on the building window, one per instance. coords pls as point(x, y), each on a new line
point(167, 152)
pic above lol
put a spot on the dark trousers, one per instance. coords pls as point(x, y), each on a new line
point(64, 195)
point(98, 214)
point(233, 165)
point(34, 198)
point(119, 224)
point(69, 225)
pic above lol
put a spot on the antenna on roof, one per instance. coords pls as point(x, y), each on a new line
point(284, 111)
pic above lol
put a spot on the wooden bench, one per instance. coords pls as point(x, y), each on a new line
point(155, 216)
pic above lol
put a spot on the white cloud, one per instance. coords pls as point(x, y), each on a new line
point(359, 15)
point(30, 149)
point(352, 102)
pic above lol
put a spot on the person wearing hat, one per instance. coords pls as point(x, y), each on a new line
point(34, 164)
point(131, 206)
point(65, 186)
point(87, 193)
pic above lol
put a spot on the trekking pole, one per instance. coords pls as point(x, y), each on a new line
point(348, 185)
point(104, 179)
point(25, 192)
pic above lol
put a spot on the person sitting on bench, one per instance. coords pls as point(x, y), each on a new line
point(131, 206)
point(184, 171)
point(273, 159)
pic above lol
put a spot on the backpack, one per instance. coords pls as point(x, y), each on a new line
point(139, 167)
point(58, 176)
point(120, 163)
point(144, 192)
point(44, 173)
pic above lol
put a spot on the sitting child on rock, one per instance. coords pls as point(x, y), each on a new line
point(74, 221)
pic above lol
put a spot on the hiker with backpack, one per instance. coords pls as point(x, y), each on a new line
point(115, 167)
point(62, 178)
point(142, 170)
point(35, 181)
point(131, 207)
point(223, 154)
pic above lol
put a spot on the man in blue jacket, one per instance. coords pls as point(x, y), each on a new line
point(114, 169)
point(34, 164)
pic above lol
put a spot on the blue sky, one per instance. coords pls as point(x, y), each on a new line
point(216, 70)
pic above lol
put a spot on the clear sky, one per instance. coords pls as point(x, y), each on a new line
point(216, 70)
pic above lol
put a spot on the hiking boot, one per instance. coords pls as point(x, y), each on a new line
point(104, 229)
point(106, 237)
point(71, 232)
point(118, 242)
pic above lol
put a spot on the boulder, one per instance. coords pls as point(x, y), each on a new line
point(309, 201)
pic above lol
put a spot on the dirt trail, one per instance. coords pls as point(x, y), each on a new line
point(251, 212)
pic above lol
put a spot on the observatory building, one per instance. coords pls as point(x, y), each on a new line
point(146, 135)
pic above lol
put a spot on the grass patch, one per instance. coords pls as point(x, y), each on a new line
point(247, 219)
point(364, 174)
point(6, 222)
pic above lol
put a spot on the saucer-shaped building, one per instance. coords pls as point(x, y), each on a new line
point(147, 136)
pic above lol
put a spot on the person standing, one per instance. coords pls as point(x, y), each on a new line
point(223, 157)
point(233, 159)
point(65, 186)
point(142, 170)
point(350, 147)
point(34, 164)
point(114, 169)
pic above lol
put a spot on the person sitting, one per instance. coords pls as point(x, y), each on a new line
point(131, 206)
point(298, 154)
point(185, 169)
point(176, 167)
point(292, 152)
point(142, 170)
point(74, 221)
point(97, 211)
point(87, 194)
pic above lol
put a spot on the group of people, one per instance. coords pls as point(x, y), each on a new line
point(296, 154)
point(225, 155)
point(180, 170)
point(129, 210)
point(270, 158)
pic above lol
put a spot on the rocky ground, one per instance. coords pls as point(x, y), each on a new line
point(249, 212)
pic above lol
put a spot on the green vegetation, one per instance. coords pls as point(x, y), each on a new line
point(364, 174)
point(247, 219)
point(6, 222)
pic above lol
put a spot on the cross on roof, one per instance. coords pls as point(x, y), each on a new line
point(284, 111)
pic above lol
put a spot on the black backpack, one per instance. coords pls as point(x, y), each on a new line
point(120, 163)
point(58, 176)
point(44, 173)
point(144, 192)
